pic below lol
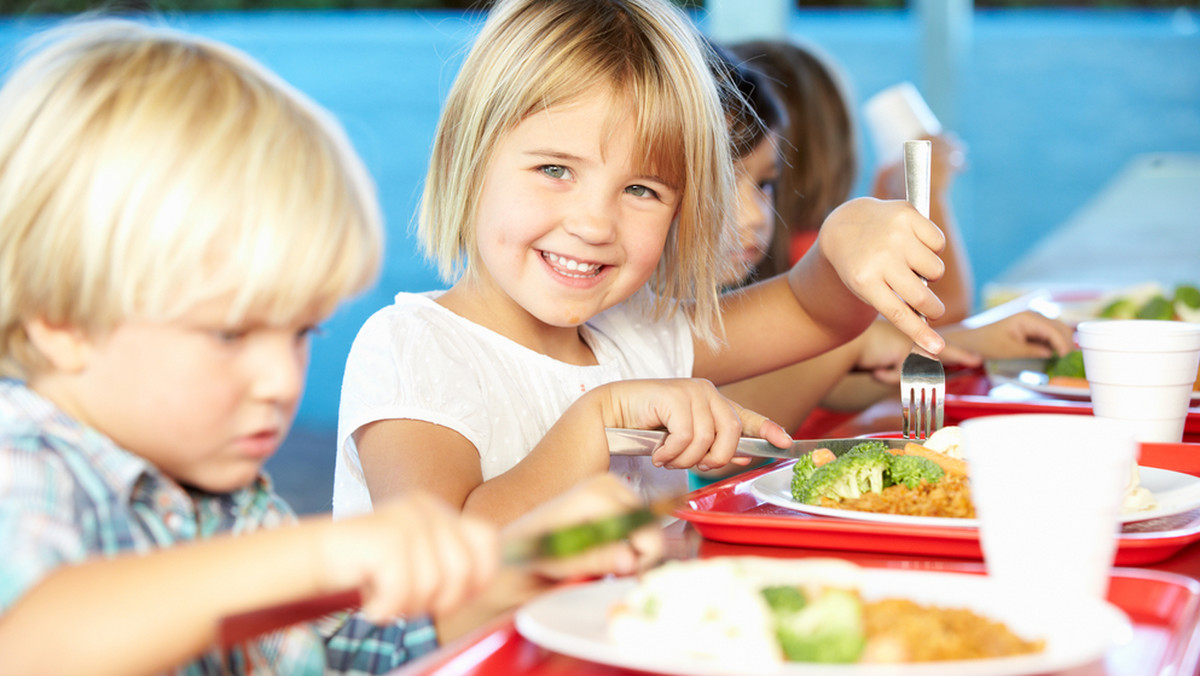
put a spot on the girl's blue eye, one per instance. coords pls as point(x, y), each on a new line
point(554, 171)
point(230, 335)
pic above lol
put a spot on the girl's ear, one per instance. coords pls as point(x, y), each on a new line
point(65, 347)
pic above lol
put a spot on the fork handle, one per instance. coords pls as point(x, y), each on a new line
point(917, 161)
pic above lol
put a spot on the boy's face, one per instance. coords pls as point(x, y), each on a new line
point(566, 225)
point(205, 402)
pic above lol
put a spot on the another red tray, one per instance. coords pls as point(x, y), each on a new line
point(1164, 609)
point(729, 512)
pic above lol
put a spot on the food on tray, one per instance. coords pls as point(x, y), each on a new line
point(1151, 301)
point(918, 480)
point(755, 612)
point(1067, 371)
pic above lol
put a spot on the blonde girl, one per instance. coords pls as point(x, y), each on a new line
point(580, 199)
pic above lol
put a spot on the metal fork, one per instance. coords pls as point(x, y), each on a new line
point(922, 378)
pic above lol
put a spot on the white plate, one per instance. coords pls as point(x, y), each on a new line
point(572, 621)
point(1030, 374)
point(1175, 493)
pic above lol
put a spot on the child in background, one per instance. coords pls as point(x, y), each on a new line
point(174, 222)
point(757, 119)
point(581, 182)
point(820, 164)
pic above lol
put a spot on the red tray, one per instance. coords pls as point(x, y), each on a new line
point(729, 512)
point(1164, 609)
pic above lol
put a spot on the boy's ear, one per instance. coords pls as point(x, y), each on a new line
point(65, 347)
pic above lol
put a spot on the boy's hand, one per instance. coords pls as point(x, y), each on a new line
point(1026, 334)
point(593, 498)
point(703, 426)
point(881, 251)
point(885, 349)
point(412, 556)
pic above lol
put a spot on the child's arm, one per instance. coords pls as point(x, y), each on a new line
point(148, 613)
point(402, 455)
point(869, 260)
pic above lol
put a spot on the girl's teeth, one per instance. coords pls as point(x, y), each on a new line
point(572, 264)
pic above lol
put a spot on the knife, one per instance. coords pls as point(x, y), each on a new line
point(623, 441)
point(561, 542)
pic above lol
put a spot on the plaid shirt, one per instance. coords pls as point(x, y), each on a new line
point(68, 492)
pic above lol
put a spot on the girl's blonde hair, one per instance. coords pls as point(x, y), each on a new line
point(535, 54)
point(143, 171)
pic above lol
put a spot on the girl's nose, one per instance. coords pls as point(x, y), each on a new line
point(594, 220)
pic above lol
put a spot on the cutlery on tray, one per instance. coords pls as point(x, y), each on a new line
point(922, 377)
point(644, 442)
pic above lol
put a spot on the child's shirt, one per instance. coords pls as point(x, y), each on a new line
point(417, 360)
point(68, 493)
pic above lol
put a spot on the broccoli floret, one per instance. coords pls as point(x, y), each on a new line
point(875, 461)
point(872, 446)
point(847, 477)
point(1069, 364)
point(1187, 296)
point(801, 471)
point(911, 470)
point(1157, 307)
point(827, 629)
point(784, 599)
point(1121, 308)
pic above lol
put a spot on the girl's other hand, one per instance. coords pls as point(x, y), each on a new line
point(703, 426)
point(412, 556)
point(881, 250)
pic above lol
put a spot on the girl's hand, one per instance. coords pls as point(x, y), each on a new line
point(412, 556)
point(1026, 334)
point(703, 427)
point(881, 251)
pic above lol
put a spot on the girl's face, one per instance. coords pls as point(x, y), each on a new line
point(206, 403)
point(757, 173)
point(567, 226)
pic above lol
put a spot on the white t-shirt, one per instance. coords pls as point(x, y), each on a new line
point(417, 360)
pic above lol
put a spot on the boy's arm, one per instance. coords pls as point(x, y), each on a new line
point(148, 613)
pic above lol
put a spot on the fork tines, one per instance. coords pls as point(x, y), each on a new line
point(922, 391)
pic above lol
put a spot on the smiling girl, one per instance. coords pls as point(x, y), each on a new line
point(580, 197)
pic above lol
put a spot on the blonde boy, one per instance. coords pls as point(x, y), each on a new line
point(174, 222)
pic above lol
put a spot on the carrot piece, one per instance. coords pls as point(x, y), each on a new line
point(822, 456)
point(950, 465)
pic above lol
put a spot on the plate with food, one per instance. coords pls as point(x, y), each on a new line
point(927, 485)
point(817, 617)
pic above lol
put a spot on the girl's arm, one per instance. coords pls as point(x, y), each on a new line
point(402, 455)
point(138, 614)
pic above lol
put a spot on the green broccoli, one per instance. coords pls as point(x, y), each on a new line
point(1157, 307)
point(1187, 296)
point(911, 470)
point(801, 471)
point(1069, 364)
point(1121, 308)
point(847, 477)
point(876, 461)
point(829, 628)
point(784, 599)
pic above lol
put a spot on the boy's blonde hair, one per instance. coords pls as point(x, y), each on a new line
point(143, 170)
point(535, 54)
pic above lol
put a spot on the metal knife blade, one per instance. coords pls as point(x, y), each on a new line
point(623, 441)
